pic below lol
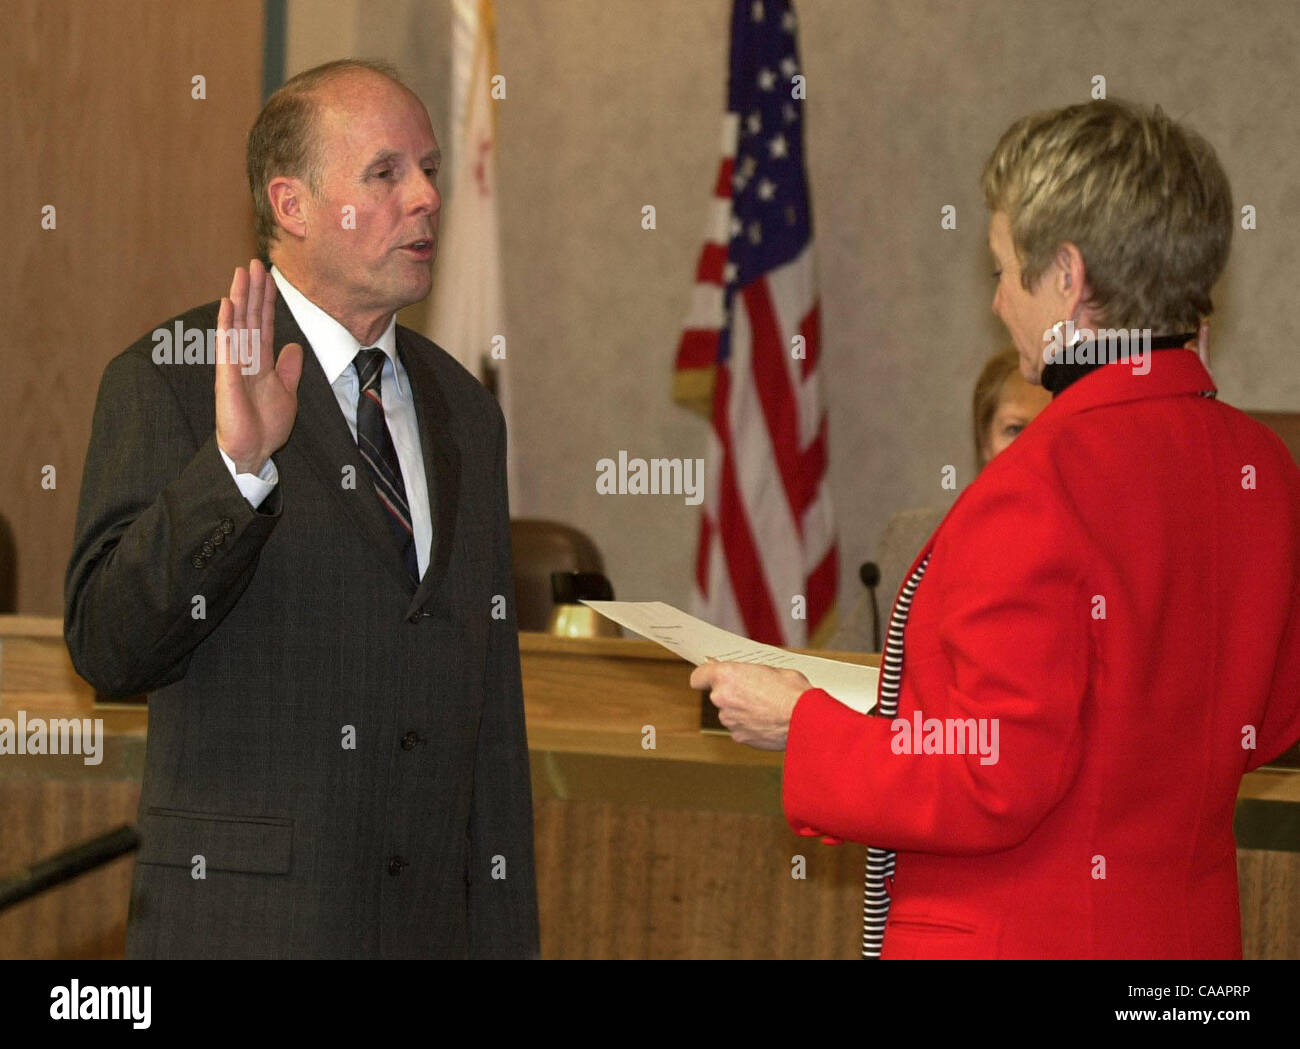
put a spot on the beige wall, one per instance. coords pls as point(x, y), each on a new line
point(616, 103)
point(613, 104)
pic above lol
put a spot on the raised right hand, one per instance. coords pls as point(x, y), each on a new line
point(255, 409)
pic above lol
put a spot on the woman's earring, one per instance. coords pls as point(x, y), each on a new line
point(1064, 338)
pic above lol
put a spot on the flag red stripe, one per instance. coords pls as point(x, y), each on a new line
point(744, 563)
point(775, 394)
point(822, 584)
point(702, 554)
point(698, 349)
point(713, 260)
point(722, 188)
point(812, 464)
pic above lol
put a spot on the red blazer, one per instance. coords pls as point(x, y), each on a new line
point(1119, 590)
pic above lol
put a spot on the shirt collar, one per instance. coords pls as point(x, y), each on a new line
point(1172, 373)
point(335, 346)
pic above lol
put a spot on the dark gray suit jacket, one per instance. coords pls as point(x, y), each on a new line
point(345, 751)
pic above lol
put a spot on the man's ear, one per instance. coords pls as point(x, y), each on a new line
point(289, 197)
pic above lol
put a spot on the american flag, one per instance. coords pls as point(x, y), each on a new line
point(767, 535)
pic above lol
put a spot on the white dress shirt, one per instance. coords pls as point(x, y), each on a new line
point(335, 349)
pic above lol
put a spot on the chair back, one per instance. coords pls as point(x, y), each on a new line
point(540, 547)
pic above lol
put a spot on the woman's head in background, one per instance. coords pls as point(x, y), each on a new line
point(1107, 214)
point(1004, 404)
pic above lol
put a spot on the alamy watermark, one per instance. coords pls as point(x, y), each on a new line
point(84, 736)
point(1066, 344)
point(651, 477)
point(92, 1002)
point(181, 345)
point(923, 735)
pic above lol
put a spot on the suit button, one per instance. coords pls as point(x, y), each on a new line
point(395, 866)
point(409, 741)
point(198, 561)
point(227, 525)
point(218, 537)
point(208, 548)
point(414, 617)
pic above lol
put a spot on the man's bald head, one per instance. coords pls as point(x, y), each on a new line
point(343, 164)
point(285, 140)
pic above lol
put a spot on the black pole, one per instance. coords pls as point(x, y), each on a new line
point(65, 865)
point(869, 573)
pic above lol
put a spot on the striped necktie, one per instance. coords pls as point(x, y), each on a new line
point(880, 862)
point(377, 449)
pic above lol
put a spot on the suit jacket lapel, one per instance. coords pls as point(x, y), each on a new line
point(321, 436)
point(441, 462)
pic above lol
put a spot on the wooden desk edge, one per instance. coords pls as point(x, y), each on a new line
point(1267, 784)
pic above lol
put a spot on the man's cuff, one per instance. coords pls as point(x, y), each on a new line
point(254, 487)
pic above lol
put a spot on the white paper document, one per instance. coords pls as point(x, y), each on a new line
point(698, 642)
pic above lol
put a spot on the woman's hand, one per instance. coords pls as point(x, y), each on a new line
point(755, 703)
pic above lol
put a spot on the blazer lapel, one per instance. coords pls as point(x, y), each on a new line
point(441, 462)
point(321, 436)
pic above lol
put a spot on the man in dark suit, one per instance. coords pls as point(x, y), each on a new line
point(309, 572)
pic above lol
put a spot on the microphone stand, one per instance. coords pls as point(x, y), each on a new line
point(869, 573)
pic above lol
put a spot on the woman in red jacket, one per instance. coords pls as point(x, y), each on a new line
point(1103, 634)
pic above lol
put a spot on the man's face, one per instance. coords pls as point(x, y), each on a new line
point(1026, 314)
point(372, 229)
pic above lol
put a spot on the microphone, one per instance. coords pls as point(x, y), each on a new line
point(869, 573)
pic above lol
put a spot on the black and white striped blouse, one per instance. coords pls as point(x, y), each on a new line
point(880, 862)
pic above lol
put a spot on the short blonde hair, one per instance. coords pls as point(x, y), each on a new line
point(1144, 199)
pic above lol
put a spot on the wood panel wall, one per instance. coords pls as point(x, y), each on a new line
point(152, 212)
